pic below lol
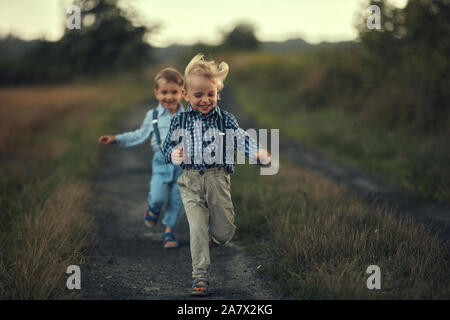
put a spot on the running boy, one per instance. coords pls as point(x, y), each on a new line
point(205, 183)
point(163, 187)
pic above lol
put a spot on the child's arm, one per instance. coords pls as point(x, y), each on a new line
point(138, 136)
point(252, 150)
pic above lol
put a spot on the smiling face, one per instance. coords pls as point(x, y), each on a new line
point(201, 93)
point(168, 94)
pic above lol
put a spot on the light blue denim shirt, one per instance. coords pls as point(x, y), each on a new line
point(138, 136)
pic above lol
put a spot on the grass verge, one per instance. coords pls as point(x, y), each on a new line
point(319, 240)
point(46, 169)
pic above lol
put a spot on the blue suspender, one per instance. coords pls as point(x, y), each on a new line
point(155, 127)
point(221, 127)
point(183, 120)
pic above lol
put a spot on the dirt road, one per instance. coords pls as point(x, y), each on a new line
point(129, 261)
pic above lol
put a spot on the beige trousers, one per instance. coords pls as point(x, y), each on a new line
point(207, 201)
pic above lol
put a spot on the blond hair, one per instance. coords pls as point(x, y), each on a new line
point(199, 66)
point(170, 75)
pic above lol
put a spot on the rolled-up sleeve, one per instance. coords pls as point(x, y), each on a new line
point(250, 146)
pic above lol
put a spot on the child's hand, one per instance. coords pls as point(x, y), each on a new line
point(177, 155)
point(263, 156)
point(107, 139)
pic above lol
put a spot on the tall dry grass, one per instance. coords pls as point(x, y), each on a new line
point(321, 240)
point(48, 140)
point(47, 240)
point(25, 111)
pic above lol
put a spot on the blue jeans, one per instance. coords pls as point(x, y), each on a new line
point(164, 190)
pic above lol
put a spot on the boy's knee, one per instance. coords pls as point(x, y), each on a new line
point(224, 236)
point(157, 199)
point(156, 204)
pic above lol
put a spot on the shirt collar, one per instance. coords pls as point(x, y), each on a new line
point(213, 111)
point(161, 110)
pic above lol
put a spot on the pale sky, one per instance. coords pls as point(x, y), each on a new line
point(190, 21)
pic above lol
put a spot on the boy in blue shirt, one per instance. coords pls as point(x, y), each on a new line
point(163, 187)
point(205, 182)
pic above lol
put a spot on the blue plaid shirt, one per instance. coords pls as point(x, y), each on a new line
point(201, 145)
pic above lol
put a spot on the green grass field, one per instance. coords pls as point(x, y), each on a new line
point(416, 162)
